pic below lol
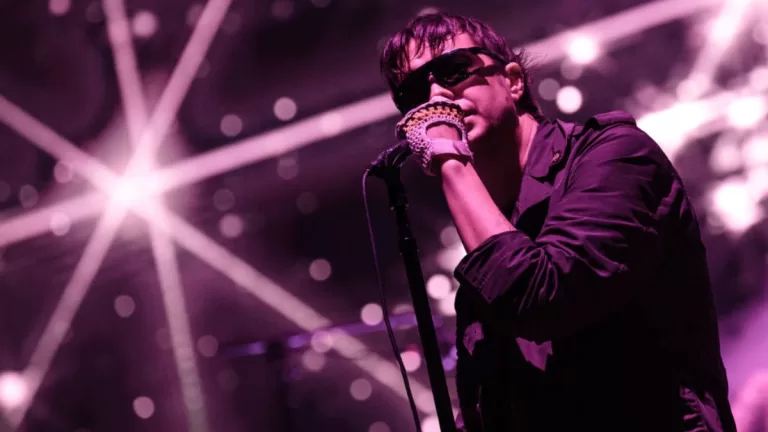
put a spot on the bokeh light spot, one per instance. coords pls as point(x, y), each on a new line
point(144, 24)
point(144, 407)
point(285, 108)
point(361, 389)
point(320, 270)
point(411, 360)
point(379, 427)
point(569, 99)
point(371, 314)
point(223, 199)
point(231, 125)
point(59, 7)
point(439, 286)
point(28, 196)
point(60, 224)
point(207, 345)
point(124, 306)
point(231, 225)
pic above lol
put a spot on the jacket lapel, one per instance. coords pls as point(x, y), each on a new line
point(545, 159)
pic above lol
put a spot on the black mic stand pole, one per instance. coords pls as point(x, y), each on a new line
point(410, 253)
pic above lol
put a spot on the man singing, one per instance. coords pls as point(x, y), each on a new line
point(585, 303)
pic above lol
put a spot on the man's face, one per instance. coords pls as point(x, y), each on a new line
point(486, 99)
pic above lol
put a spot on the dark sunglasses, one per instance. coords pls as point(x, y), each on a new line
point(448, 69)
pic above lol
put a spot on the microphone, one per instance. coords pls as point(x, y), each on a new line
point(391, 158)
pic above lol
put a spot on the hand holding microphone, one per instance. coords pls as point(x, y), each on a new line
point(435, 130)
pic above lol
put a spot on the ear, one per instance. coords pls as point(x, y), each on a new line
point(515, 80)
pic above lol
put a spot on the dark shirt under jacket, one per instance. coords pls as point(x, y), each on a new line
point(597, 313)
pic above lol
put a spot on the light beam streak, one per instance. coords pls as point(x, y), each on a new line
point(94, 171)
point(162, 249)
point(369, 110)
point(36, 222)
point(727, 26)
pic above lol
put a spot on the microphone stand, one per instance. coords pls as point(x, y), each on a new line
point(389, 171)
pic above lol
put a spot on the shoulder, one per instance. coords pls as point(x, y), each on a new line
point(614, 132)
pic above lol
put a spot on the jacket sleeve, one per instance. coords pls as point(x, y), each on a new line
point(598, 244)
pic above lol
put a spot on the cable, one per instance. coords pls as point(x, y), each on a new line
point(385, 310)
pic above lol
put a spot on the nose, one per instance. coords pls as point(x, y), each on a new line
point(436, 89)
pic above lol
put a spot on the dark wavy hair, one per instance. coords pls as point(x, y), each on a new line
point(433, 30)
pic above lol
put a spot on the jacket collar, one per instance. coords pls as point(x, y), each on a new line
point(548, 148)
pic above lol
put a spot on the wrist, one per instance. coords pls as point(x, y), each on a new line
point(450, 165)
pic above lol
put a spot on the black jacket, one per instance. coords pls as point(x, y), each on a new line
point(597, 313)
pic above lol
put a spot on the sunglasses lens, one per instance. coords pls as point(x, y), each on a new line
point(448, 70)
point(452, 69)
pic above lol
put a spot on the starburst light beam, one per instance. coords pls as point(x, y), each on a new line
point(36, 222)
point(68, 305)
point(163, 251)
point(377, 108)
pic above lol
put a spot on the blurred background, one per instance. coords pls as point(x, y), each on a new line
point(225, 283)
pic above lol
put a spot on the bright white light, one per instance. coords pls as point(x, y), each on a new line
point(144, 24)
point(430, 424)
point(758, 77)
point(583, 49)
point(285, 108)
point(14, 390)
point(28, 196)
point(379, 427)
point(450, 257)
point(411, 360)
point(361, 389)
point(59, 7)
point(130, 190)
point(223, 199)
point(371, 314)
point(207, 345)
point(745, 113)
point(60, 224)
point(569, 99)
point(760, 34)
point(144, 407)
point(733, 206)
point(755, 151)
point(231, 225)
point(124, 306)
point(757, 182)
point(725, 157)
point(439, 286)
point(307, 202)
point(447, 304)
point(548, 88)
point(669, 127)
point(320, 270)
point(321, 341)
point(313, 360)
point(692, 87)
point(231, 125)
